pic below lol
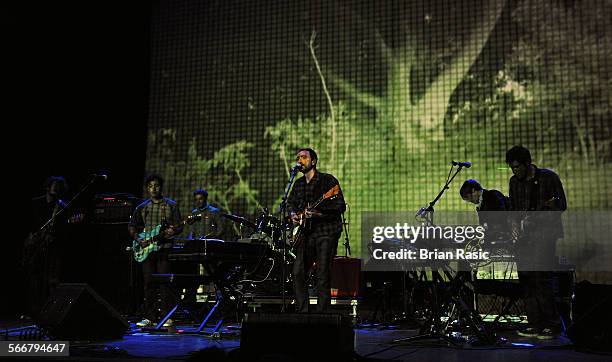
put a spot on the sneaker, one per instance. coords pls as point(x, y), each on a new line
point(528, 332)
point(143, 323)
point(169, 323)
point(546, 333)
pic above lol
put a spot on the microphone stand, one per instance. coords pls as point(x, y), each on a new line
point(282, 209)
point(347, 245)
point(67, 206)
point(427, 212)
point(452, 295)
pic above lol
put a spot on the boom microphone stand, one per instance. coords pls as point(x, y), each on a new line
point(427, 212)
point(65, 206)
point(452, 296)
point(282, 209)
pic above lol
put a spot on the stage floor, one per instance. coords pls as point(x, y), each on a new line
point(371, 344)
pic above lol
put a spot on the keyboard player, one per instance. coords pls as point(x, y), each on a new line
point(209, 226)
point(487, 201)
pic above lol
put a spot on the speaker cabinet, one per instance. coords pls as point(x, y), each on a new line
point(345, 273)
point(77, 312)
point(591, 317)
point(297, 336)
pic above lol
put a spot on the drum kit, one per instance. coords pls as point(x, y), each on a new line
point(267, 228)
point(275, 234)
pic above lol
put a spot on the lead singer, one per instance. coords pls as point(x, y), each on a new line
point(320, 241)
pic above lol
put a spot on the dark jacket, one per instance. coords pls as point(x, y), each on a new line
point(529, 198)
point(492, 214)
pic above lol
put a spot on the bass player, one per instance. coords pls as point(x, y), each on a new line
point(149, 215)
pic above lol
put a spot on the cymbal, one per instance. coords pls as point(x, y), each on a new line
point(241, 220)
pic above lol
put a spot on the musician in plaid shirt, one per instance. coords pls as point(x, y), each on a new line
point(321, 237)
point(154, 211)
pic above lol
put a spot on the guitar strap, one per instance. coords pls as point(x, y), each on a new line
point(319, 188)
point(163, 212)
point(150, 211)
point(144, 213)
point(56, 209)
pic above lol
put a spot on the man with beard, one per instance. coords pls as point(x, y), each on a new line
point(320, 239)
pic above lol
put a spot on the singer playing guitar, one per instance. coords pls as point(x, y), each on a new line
point(320, 237)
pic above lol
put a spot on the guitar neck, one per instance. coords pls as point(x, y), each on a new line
point(188, 220)
point(323, 198)
point(318, 202)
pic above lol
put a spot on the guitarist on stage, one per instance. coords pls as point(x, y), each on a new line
point(43, 249)
point(154, 211)
point(322, 227)
point(537, 200)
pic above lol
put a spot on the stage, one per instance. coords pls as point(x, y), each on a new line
point(371, 343)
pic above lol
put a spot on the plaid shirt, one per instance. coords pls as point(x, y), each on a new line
point(304, 194)
point(149, 214)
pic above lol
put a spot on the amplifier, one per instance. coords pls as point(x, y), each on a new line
point(113, 208)
point(345, 273)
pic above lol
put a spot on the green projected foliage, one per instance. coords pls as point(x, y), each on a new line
point(387, 93)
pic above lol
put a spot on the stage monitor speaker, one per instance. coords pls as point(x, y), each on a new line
point(591, 317)
point(76, 312)
point(297, 336)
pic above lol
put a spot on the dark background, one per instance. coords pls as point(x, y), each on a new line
point(76, 105)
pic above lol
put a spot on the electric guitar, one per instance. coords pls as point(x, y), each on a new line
point(303, 222)
point(151, 237)
point(38, 242)
point(527, 223)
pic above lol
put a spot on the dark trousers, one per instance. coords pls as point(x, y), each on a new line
point(43, 277)
point(539, 299)
point(536, 262)
point(156, 263)
point(319, 249)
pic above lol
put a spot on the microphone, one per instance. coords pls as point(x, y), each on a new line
point(99, 176)
point(422, 211)
point(296, 167)
point(466, 164)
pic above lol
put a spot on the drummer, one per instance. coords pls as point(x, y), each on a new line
point(210, 225)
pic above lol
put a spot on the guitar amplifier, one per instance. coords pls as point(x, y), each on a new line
point(113, 208)
point(345, 273)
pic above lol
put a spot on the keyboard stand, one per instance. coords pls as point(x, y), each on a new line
point(215, 332)
point(186, 280)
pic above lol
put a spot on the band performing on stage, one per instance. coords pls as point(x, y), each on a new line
point(342, 180)
point(293, 253)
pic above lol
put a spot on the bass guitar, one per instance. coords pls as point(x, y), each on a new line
point(150, 238)
point(302, 222)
